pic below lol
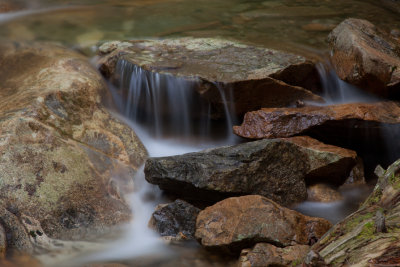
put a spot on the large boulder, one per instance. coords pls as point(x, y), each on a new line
point(367, 57)
point(277, 169)
point(65, 160)
point(370, 236)
point(240, 222)
point(369, 128)
point(256, 77)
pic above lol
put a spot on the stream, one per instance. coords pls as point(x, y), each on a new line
point(298, 26)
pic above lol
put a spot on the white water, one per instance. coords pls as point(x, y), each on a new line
point(336, 91)
point(168, 105)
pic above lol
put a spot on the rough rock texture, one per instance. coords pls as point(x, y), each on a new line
point(3, 242)
point(264, 254)
point(177, 219)
point(256, 77)
point(368, 128)
point(240, 222)
point(9, 5)
point(365, 56)
point(63, 155)
point(274, 168)
point(323, 193)
point(360, 239)
point(393, 5)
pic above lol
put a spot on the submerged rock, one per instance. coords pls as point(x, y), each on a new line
point(360, 239)
point(264, 254)
point(65, 160)
point(240, 222)
point(276, 168)
point(177, 219)
point(256, 77)
point(367, 57)
point(323, 193)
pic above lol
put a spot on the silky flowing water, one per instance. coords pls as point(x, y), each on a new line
point(299, 26)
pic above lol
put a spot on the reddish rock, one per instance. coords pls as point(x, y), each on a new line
point(286, 122)
point(264, 254)
point(240, 222)
point(367, 57)
point(368, 128)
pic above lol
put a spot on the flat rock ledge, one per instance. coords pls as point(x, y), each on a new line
point(276, 168)
point(256, 77)
point(240, 222)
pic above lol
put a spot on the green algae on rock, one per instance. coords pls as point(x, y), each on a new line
point(257, 77)
point(360, 240)
point(62, 153)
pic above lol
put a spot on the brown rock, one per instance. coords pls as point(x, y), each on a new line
point(3, 242)
point(239, 222)
point(286, 122)
point(368, 128)
point(323, 193)
point(264, 254)
point(257, 77)
point(9, 5)
point(367, 57)
point(63, 154)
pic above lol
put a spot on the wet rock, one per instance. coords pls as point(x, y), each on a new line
point(323, 193)
point(257, 77)
point(65, 160)
point(356, 240)
point(393, 5)
point(368, 128)
point(9, 5)
point(264, 254)
point(275, 168)
point(240, 222)
point(367, 57)
point(357, 174)
point(177, 219)
point(3, 242)
point(17, 238)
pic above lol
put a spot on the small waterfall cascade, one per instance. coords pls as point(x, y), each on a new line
point(337, 91)
point(168, 105)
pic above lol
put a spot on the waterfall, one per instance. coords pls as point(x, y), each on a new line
point(337, 91)
point(168, 105)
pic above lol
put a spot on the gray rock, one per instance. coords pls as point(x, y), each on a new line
point(275, 168)
point(177, 219)
point(257, 77)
